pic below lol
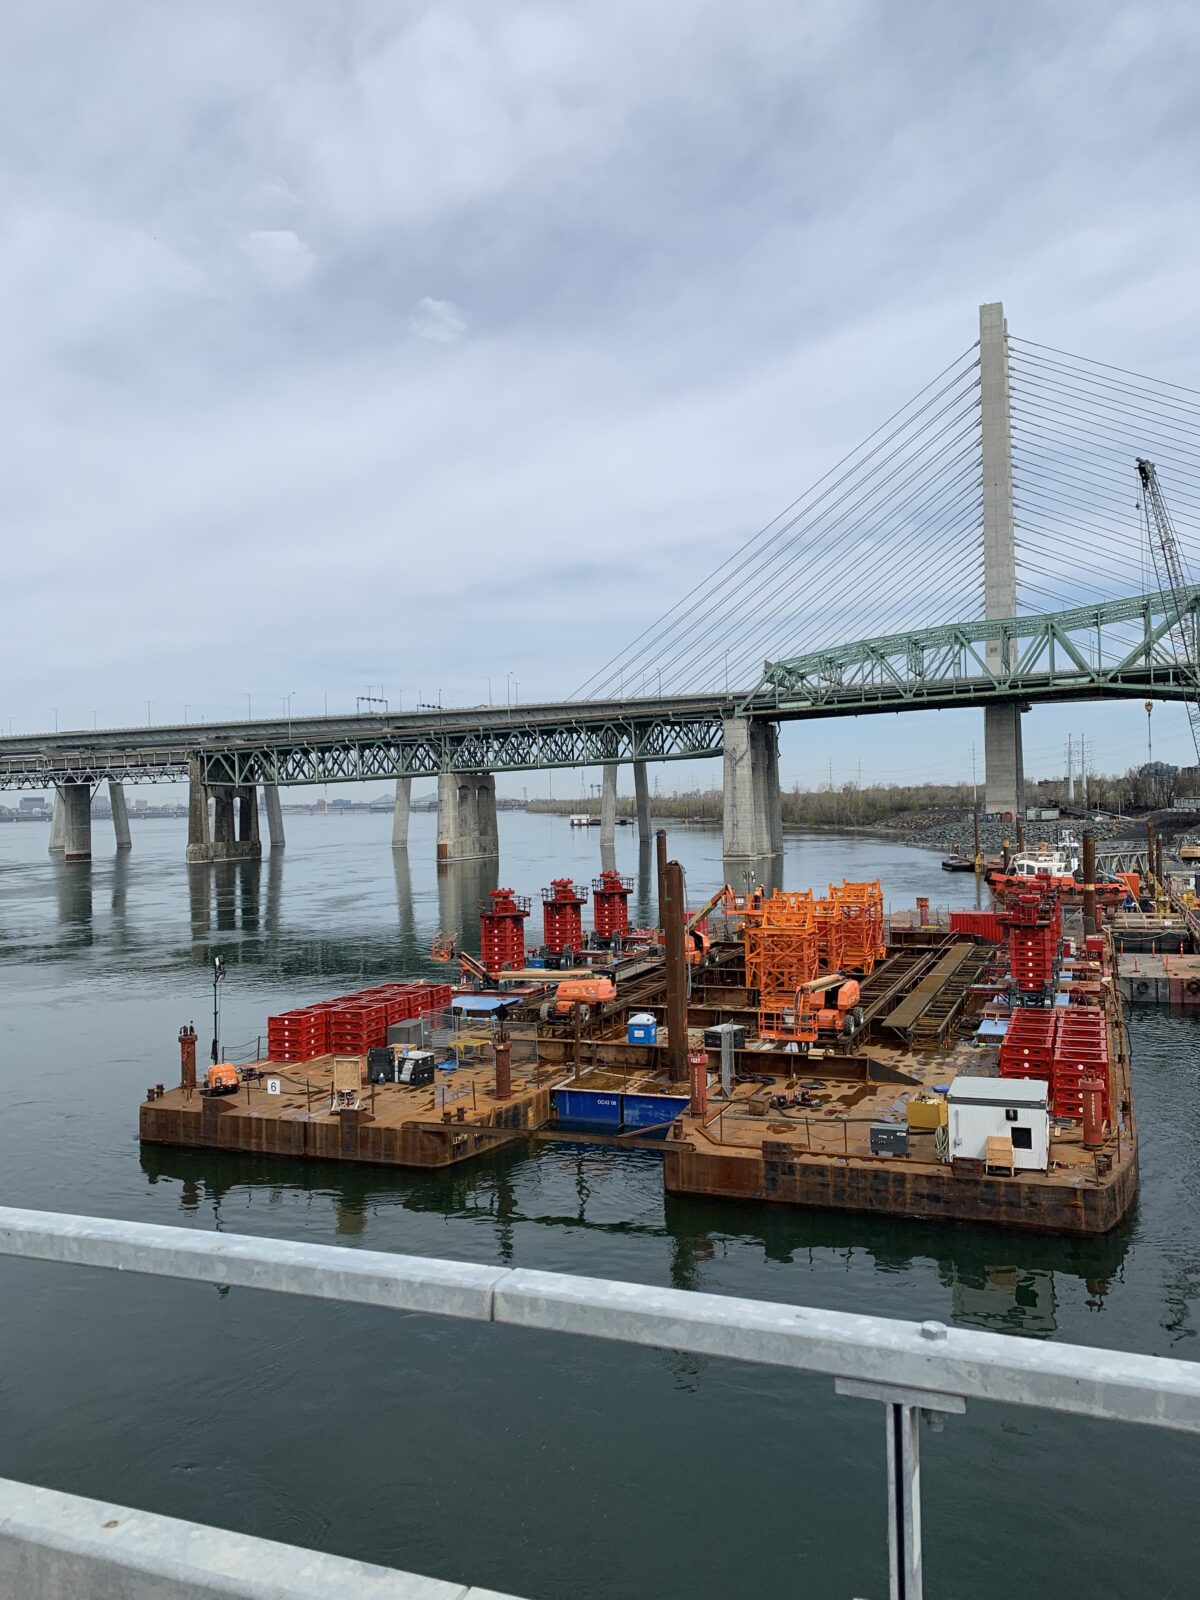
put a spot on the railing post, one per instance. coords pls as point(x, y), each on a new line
point(903, 1410)
point(905, 1580)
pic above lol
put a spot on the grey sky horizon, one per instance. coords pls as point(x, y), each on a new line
point(381, 349)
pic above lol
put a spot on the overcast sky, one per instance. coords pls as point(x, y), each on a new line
point(361, 347)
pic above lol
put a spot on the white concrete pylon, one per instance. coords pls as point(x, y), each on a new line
point(1004, 776)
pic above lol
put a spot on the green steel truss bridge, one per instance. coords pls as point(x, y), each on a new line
point(1123, 648)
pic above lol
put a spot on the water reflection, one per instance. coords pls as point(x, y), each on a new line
point(461, 886)
point(406, 921)
point(120, 893)
point(73, 893)
point(232, 898)
point(644, 912)
point(998, 1280)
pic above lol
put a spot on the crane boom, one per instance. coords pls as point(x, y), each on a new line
point(1173, 582)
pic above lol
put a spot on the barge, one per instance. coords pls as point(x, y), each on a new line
point(981, 1077)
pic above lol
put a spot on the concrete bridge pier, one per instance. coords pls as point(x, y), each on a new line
point(400, 814)
point(608, 807)
point(467, 827)
point(753, 820)
point(199, 845)
point(58, 825)
point(1003, 759)
point(641, 793)
point(120, 814)
point(77, 821)
point(274, 815)
point(233, 834)
point(249, 838)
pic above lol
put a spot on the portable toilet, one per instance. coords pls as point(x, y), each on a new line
point(643, 1028)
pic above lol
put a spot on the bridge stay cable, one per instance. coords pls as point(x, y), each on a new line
point(760, 625)
point(699, 601)
point(855, 493)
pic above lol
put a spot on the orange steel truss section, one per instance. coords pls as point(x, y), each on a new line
point(781, 944)
point(861, 909)
point(831, 934)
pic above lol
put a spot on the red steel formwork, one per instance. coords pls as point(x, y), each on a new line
point(610, 905)
point(562, 915)
point(311, 1031)
point(356, 1026)
point(1080, 1051)
point(1034, 925)
point(502, 930)
point(1027, 1049)
point(299, 1035)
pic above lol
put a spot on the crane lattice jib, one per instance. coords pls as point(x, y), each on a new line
point(1173, 586)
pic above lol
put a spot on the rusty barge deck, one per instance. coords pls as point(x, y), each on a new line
point(740, 1147)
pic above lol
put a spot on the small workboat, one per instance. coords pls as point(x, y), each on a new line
point(1057, 867)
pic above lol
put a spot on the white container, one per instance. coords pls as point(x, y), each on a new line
point(988, 1108)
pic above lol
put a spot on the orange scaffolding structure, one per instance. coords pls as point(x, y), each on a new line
point(793, 939)
point(860, 913)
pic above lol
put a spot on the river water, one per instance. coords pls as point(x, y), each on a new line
point(535, 1465)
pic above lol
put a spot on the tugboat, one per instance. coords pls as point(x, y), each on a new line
point(957, 863)
point(1056, 866)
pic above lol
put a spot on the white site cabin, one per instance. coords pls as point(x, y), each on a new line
point(1000, 1108)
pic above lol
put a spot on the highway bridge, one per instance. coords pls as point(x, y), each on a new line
point(946, 488)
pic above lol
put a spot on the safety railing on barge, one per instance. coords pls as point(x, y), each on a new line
point(56, 1543)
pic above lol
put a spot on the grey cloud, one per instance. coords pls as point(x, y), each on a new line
point(700, 250)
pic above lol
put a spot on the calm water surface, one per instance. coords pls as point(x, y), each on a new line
point(530, 1464)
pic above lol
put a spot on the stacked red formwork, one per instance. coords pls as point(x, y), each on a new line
point(610, 905)
point(356, 1026)
point(1027, 1049)
point(1080, 1051)
point(562, 914)
point(299, 1035)
point(351, 1024)
point(1034, 924)
point(502, 931)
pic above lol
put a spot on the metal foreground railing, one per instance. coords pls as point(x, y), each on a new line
point(52, 1543)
